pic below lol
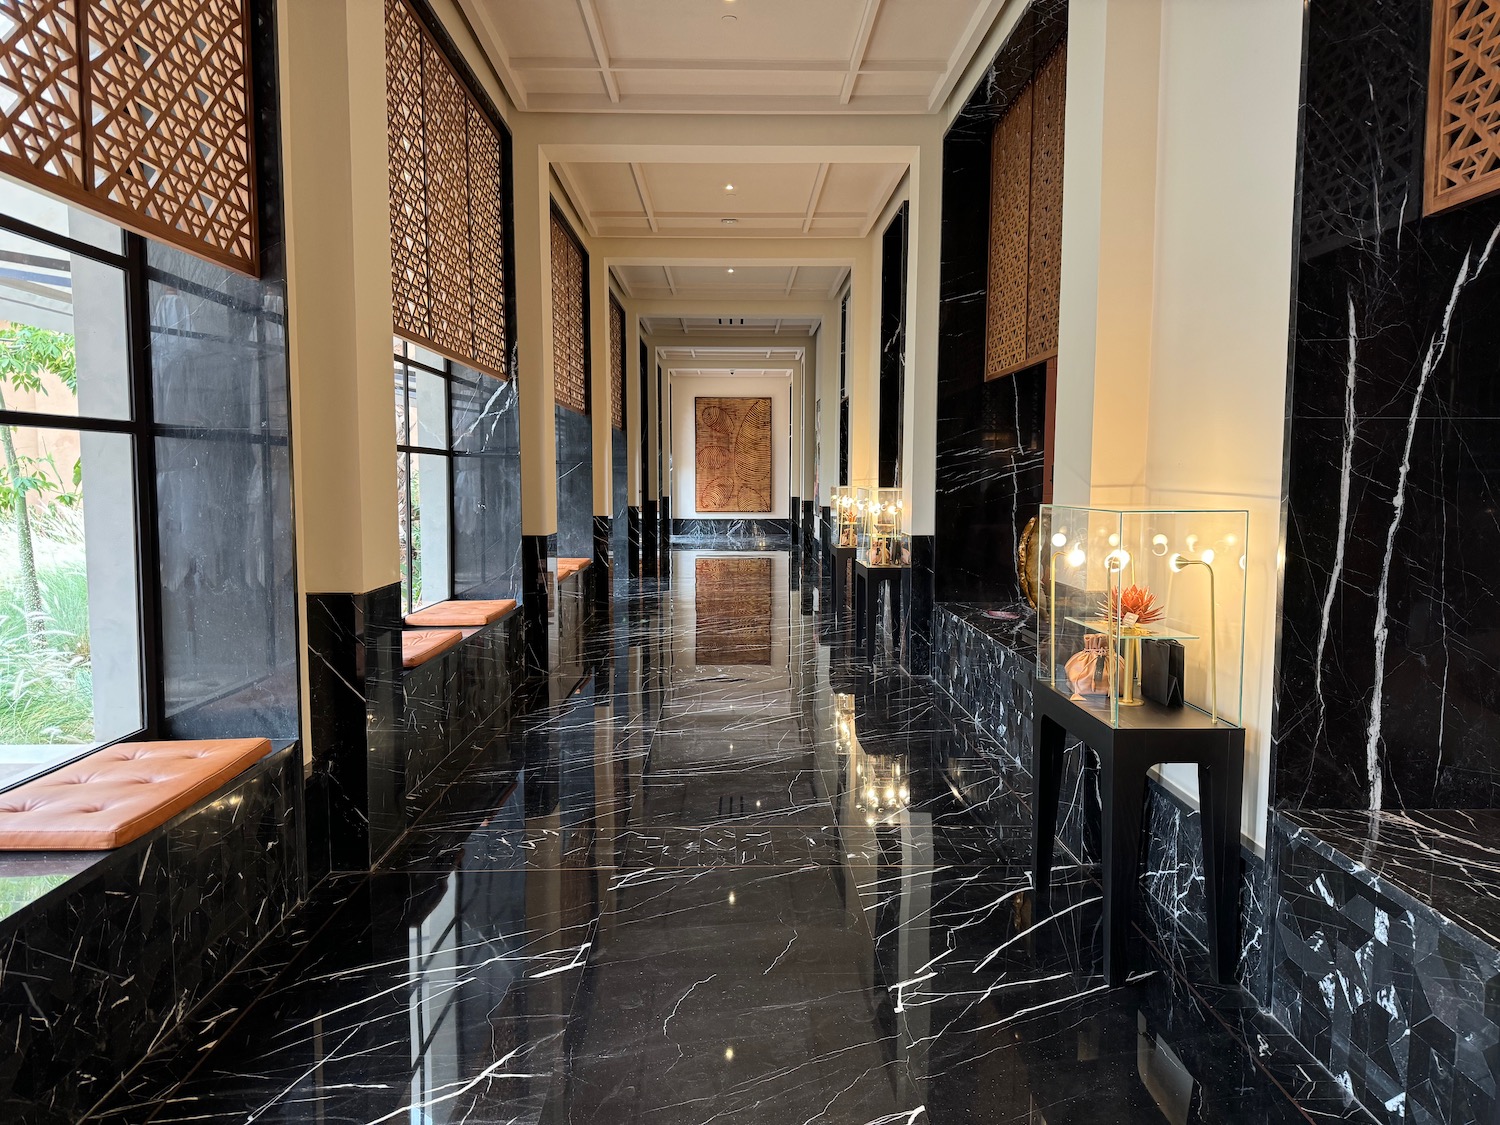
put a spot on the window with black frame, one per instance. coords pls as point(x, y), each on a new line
point(74, 421)
point(424, 475)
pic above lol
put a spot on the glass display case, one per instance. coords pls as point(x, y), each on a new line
point(845, 505)
point(882, 529)
point(1143, 608)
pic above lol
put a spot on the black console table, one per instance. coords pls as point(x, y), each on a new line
point(843, 559)
point(1148, 735)
point(867, 581)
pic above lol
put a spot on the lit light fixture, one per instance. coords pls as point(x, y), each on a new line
point(730, 222)
point(728, 187)
point(731, 269)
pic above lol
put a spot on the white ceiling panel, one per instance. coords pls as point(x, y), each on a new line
point(729, 56)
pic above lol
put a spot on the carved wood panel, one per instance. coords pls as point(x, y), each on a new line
point(1010, 244)
point(732, 455)
point(407, 171)
point(447, 202)
point(164, 145)
point(616, 364)
point(1463, 103)
point(569, 339)
point(487, 239)
point(1045, 273)
point(39, 81)
point(445, 130)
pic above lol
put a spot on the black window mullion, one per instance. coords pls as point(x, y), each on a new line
point(148, 531)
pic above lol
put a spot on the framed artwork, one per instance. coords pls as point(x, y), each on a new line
point(732, 455)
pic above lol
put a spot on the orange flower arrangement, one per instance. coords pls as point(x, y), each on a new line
point(1133, 600)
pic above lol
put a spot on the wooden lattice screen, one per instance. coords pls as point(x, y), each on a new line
point(1463, 103)
point(447, 202)
point(140, 112)
point(616, 364)
point(569, 339)
point(1025, 251)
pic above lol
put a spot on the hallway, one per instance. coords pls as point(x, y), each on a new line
point(725, 879)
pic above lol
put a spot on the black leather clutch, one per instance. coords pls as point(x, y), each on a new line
point(1161, 672)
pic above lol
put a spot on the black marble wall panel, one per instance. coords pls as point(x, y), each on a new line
point(92, 973)
point(575, 484)
point(634, 533)
point(534, 560)
point(354, 666)
point(988, 667)
point(619, 541)
point(1387, 694)
point(1401, 1004)
point(796, 521)
point(664, 538)
point(485, 424)
point(917, 599)
point(893, 244)
point(759, 534)
point(990, 436)
point(650, 534)
point(601, 577)
point(825, 542)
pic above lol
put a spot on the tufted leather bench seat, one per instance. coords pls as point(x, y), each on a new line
point(566, 568)
point(115, 795)
point(420, 645)
point(461, 614)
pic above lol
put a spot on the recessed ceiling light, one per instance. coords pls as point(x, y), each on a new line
point(731, 269)
point(728, 187)
point(729, 222)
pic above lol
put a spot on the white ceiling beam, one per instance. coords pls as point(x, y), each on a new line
point(638, 173)
point(984, 17)
point(889, 105)
point(671, 284)
point(590, 16)
point(481, 19)
point(791, 283)
point(815, 198)
point(575, 198)
point(861, 45)
point(622, 282)
point(566, 64)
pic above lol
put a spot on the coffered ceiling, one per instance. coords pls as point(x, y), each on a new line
point(827, 199)
point(730, 56)
point(747, 282)
point(756, 326)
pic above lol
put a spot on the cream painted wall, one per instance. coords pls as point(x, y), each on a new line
point(685, 388)
point(1177, 261)
point(1226, 176)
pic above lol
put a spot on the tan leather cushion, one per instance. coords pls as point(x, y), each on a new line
point(465, 614)
point(566, 568)
point(420, 645)
point(120, 793)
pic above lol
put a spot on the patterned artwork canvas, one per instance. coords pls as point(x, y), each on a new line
point(732, 605)
point(732, 457)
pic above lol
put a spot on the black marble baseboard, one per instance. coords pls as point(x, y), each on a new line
point(535, 554)
point(603, 570)
point(759, 533)
point(1387, 957)
point(988, 667)
point(111, 960)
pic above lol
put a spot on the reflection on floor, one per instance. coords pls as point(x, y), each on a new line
point(700, 892)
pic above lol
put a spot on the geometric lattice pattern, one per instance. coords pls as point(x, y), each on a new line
point(616, 364)
point(447, 202)
point(732, 455)
point(164, 145)
point(408, 171)
point(1025, 263)
point(570, 365)
point(1463, 103)
point(1010, 244)
point(487, 240)
point(1044, 275)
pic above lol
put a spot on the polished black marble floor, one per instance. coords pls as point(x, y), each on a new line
point(692, 893)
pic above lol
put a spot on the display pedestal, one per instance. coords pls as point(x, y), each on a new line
point(843, 560)
point(867, 581)
point(1148, 735)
